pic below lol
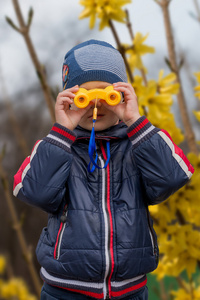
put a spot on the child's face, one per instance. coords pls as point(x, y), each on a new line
point(105, 117)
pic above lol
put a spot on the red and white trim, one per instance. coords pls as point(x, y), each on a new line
point(177, 153)
point(59, 140)
point(19, 177)
point(61, 137)
point(130, 290)
point(70, 282)
point(91, 289)
point(140, 131)
point(96, 289)
point(64, 132)
point(122, 283)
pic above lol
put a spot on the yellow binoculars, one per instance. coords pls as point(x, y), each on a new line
point(83, 96)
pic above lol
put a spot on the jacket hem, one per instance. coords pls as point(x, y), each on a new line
point(119, 289)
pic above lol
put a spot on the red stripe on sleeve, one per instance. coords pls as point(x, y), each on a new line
point(180, 153)
point(64, 133)
point(138, 128)
point(18, 175)
point(35, 145)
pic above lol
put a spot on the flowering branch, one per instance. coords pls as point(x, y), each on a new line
point(129, 25)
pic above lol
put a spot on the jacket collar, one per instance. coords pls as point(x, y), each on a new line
point(118, 131)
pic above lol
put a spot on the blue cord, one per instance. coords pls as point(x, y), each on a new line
point(92, 150)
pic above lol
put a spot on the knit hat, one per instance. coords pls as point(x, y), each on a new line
point(93, 61)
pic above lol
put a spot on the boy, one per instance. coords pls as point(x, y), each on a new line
point(99, 242)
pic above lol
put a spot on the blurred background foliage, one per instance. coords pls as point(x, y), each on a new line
point(30, 116)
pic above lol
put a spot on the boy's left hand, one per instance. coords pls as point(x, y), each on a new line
point(128, 111)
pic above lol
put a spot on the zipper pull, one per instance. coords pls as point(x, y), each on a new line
point(63, 218)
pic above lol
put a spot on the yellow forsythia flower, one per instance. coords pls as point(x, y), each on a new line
point(197, 88)
point(166, 84)
point(136, 50)
point(157, 106)
point(187, 294)
point(197, 115)
point(138, 86)
point(177, 223)
point(197, 94)
point(105, 10)
point(15, 289)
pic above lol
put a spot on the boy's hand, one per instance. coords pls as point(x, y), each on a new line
point(64, 116)
point(128, 112)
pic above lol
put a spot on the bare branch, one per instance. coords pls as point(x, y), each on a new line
point(24, 29)
point(189, 134)
point(197, 9)
point(157, 1)
point(163, 2)
point(121, 50)
point(182, 284)
point(30, 17)
point(3, 152)
point(168, 63)
point(163, 293)
point(10, 22)
point(129, 25)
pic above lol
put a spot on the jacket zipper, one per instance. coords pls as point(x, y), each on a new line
point(108, 231)
point(152, 236)
point(61, 230)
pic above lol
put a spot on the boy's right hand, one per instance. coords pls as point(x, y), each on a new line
point(64, 116)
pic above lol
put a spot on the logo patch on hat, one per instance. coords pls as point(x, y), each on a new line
point(65, 73)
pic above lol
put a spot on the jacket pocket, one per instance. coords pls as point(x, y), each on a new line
point(61, 230)
point(152, 236)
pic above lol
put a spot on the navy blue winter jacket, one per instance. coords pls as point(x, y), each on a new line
point(100, 240)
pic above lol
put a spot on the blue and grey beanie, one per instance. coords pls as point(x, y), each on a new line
point(93, 61)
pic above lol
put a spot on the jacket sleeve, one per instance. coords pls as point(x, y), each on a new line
point(41, 179)
point(163, 166)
